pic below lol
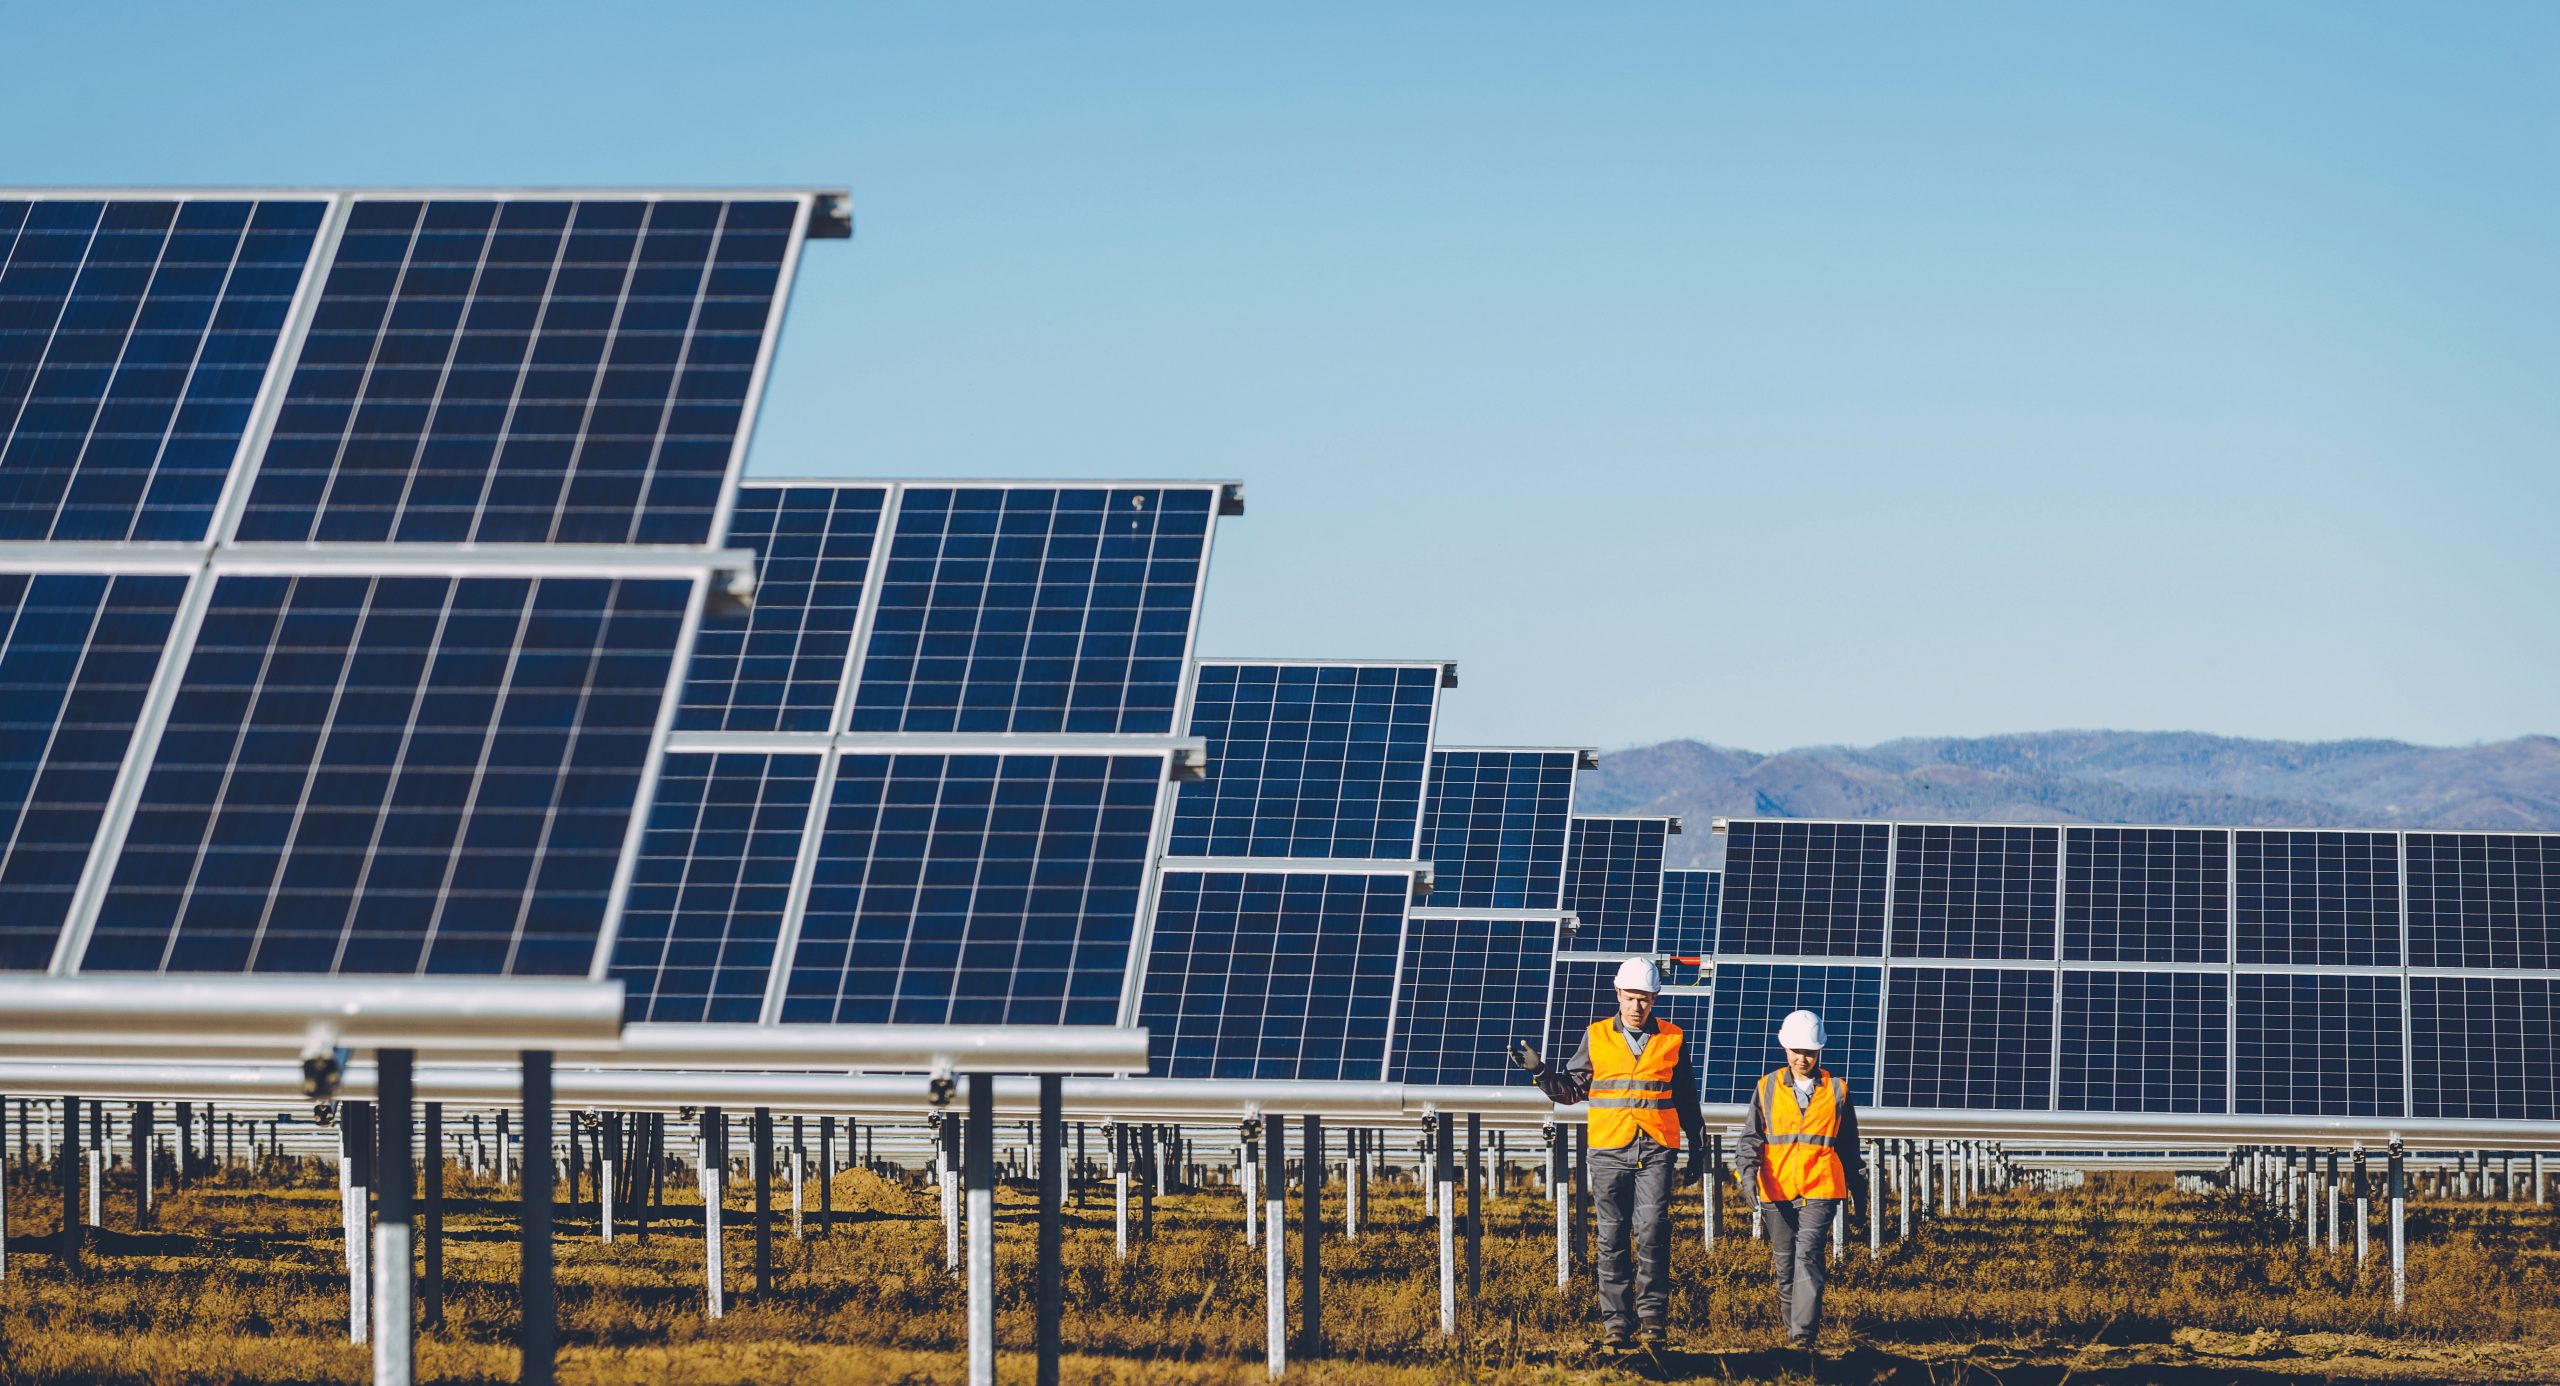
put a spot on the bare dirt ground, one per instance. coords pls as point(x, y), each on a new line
point(2128, 1280)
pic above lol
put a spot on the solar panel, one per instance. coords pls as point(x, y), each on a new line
point(1751, 998)
point(1309, 761)
point(134, 336)
point(2145, 1041)
point(395, 775)
point(2151, 895)
point(1970, 891)
point(703, 920)
point(1494, 827)
point(1613, 883)
point(549, 370)
point(77, 655)
point(1804, 889)
point(1267, 974)
point(2483, 900)
point(2317, 897)
point(2485, 1047)
point(1471, 988)
point(1976, 1037)
point(984, 889)
point(780, 664)
point(1035, 609)
point(1686, 924)
point(2320, 1044)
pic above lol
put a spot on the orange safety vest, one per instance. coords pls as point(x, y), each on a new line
point(1801, 1159)
point(1631, 1092)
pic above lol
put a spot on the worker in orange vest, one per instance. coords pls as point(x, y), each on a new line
point(1635, 1070)
point(1799, 1157)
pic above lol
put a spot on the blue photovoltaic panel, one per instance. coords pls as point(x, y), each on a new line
point(1494, 828)
point(1472, 987)
point(1809, 889)
point(1308, 761)
point(2318, 1045)
point(395, 775)
point(525, 371)
point(1035, 609)
point(2318, 897)
point(2514, 1076)
point(134, 335)
point(780, 664)
point(1271, 975)
point(1687, 924)
point(2483, 900)
point(975, 890)
point(1751, 998)
point(1613, 882)
point(77, 654)
point(2146, 895)
point(704, 914)
point(1962, 890)
point(2145, 1041)
point(1974, 1037)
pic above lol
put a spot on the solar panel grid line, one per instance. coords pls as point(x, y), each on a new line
point(1613, 880)
point(2231, 967)
point(114, 824)
point(1966, 1036)
point(1497, 824)
point(1276, 973)
point(2454, 1076)
point(69, 684)
point(1013, 566)
point(615, 335)
point(1794, 886)
point(867, 612)
point(279, 633)
point(2317, 895)
point(772, 666)
point(2143, 1040)
point(138, 358)
point(2408, 1017)
point(2319, 1044)
point(2061, 893)
point(1884, 980)
point(993, 888)
point(1969, 890)
point(709, 857)
point(1311, 759)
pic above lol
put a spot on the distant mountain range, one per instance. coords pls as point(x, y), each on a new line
point(2091, 777)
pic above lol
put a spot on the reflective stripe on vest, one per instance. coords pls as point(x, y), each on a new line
point(1802, 1159)
point(1631, 1092)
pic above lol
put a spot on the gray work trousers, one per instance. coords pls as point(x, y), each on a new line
point(1799, 1240)
point(1632, 1184)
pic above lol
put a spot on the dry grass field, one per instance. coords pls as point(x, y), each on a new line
point(2127, 1280)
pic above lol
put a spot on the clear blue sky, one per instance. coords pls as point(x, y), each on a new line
point(1766, 375)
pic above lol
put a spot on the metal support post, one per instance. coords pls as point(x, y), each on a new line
point(1248, 1162)
point(762, 1134)
point(1875, 1199)
point(947, 1174)
point(1441, 1176)
point(1053, 1144)
point(1311, 1238)
point(715, 1275)
point(541, 1327)
point(355, 1176)
point(2329, 1184)
point(2364, 1209)
point(981, 1156)
point(1563, 1204)
point(1275, 1264)
point(1119, 1187)
point(395, 1355)
point(1475, 1204)
point(431, 1206)
point(2399, 1242)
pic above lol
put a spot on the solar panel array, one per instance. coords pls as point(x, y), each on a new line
point(2138, 969)
point(267, 713)
point(983, 681)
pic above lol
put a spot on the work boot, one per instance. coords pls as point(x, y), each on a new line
point(1615, 1338)
point(1654, 1337)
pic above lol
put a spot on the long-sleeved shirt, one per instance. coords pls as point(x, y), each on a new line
point(1572, 1083)
point(1752, 1150)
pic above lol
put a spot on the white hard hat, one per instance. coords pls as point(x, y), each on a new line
point(1800, 1030)
point(1639, 974)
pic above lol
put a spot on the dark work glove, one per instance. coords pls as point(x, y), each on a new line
point(1527, 1058)
point(1692, 1170)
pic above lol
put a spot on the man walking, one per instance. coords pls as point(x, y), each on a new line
point(1799, 1156)
point(1635, 1071)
